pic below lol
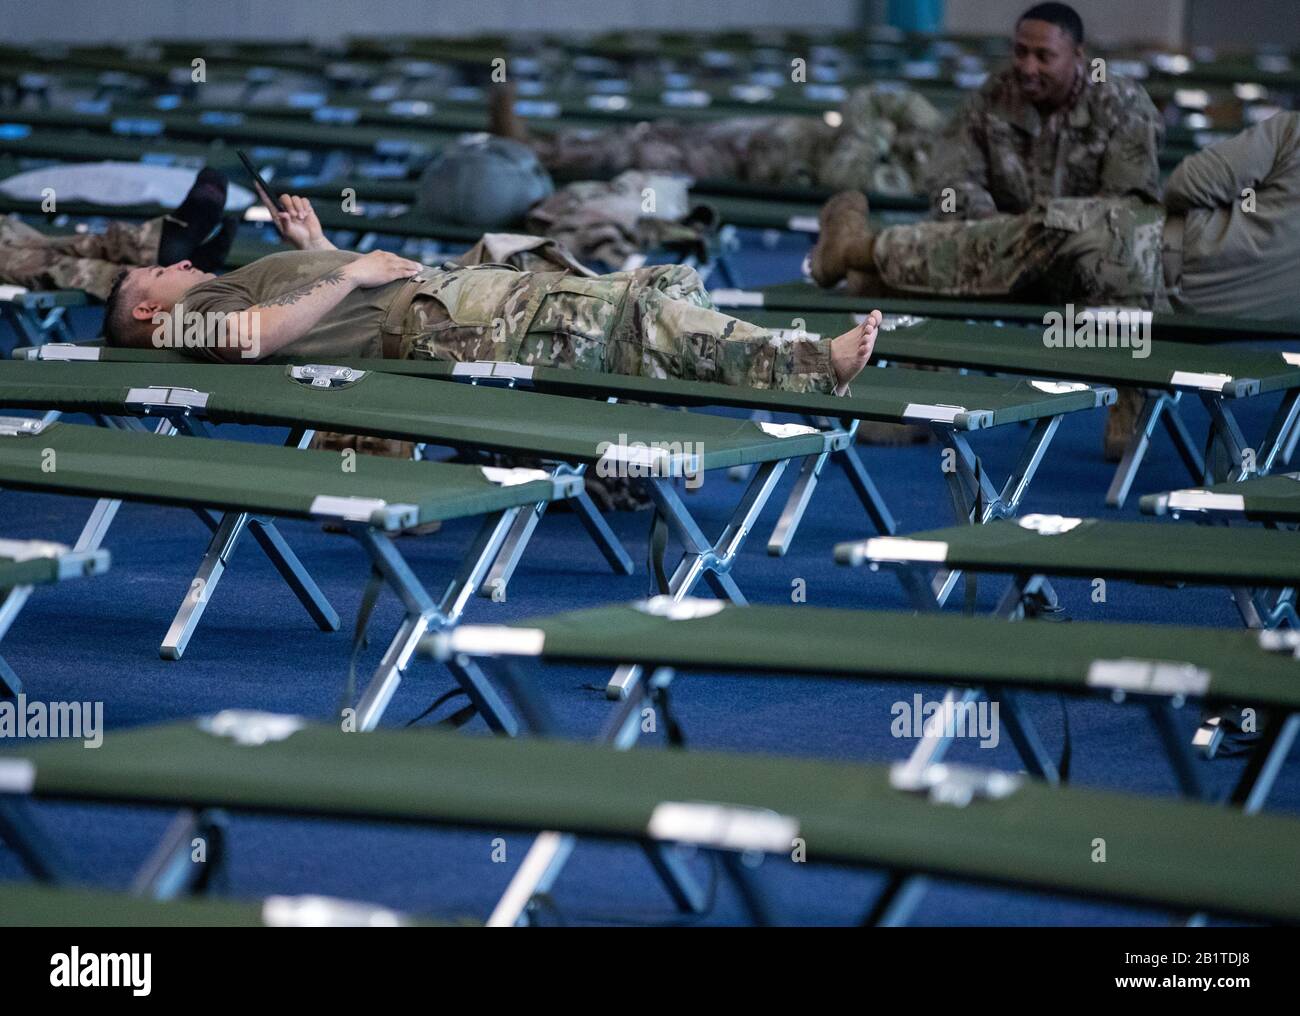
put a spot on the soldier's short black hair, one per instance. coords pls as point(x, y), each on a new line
point(118, 322)
point(1063, 16)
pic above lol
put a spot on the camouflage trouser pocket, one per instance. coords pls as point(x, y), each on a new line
point(573, 324)
point(450, 341)
point(1113, 254)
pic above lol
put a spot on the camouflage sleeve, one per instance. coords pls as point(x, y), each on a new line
point(958, 180)
point(1132, 165)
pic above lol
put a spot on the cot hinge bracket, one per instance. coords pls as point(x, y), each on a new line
point(496, 372)
point(166, 398)
point(953, 784)
point(20, 426)
point(320, 375)
point(1149, 677)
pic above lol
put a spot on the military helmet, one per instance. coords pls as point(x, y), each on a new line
point(483, 181)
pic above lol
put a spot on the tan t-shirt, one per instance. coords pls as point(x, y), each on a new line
point(1240, 200)
point(352, 328)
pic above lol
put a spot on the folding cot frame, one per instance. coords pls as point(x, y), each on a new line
point(23, 565)
point(347, 499)
point(187, 415)
point(227, 531)
point(892, 396)
point(1265, 601)
point(1214, 560)
point(948, 821)
point(41, 316)
point(975, 497)
point(1272, 500)
point(703, 444)
point(711, 560)
point(611, 388)
point(1217, 377)
point(1160, 668)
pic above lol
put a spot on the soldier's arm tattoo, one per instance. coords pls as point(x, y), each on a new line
point(294, 295)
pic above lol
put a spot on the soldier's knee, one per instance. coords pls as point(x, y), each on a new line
point(678, 281)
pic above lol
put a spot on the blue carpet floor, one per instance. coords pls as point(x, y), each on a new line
point(256, 648)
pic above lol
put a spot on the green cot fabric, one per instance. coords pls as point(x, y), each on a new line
point(1162, 852)
point(384, 404)
point(34, 906)
point(1273, 498)
point(101, 353)
point(876, 395)
point(1022, 351)
point(1143, 552)
point(802, 297)
point(887, 646)
point(39, 906)
point(238, 476)
point(37, 571)
point(882, 395)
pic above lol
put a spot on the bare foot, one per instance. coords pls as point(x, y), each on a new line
point(851, 351)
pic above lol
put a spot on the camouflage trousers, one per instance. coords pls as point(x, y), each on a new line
point(89, 261)
point(1095, 250)
point(653, 322)
point(881, 143)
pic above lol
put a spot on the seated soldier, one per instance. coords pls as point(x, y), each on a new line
point(327, 304)
point(93, 261)
point(1225, 241)
point(1052, 124)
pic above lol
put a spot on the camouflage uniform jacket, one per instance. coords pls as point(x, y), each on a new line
point(1001, 155)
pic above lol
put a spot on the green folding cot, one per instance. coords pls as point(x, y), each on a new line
point(1260, 568)
point(947, 821)
point(256, 484)
point(1159, 667)
point(1254, 564)
point(34, 905)
point(1164, 371)
point(26, 564)
point(952, 405)
point(807, 300)
point(1273, 500)
point(655, 445)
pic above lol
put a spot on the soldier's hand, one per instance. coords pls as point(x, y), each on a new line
point(299, 225)
point(379, 267)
